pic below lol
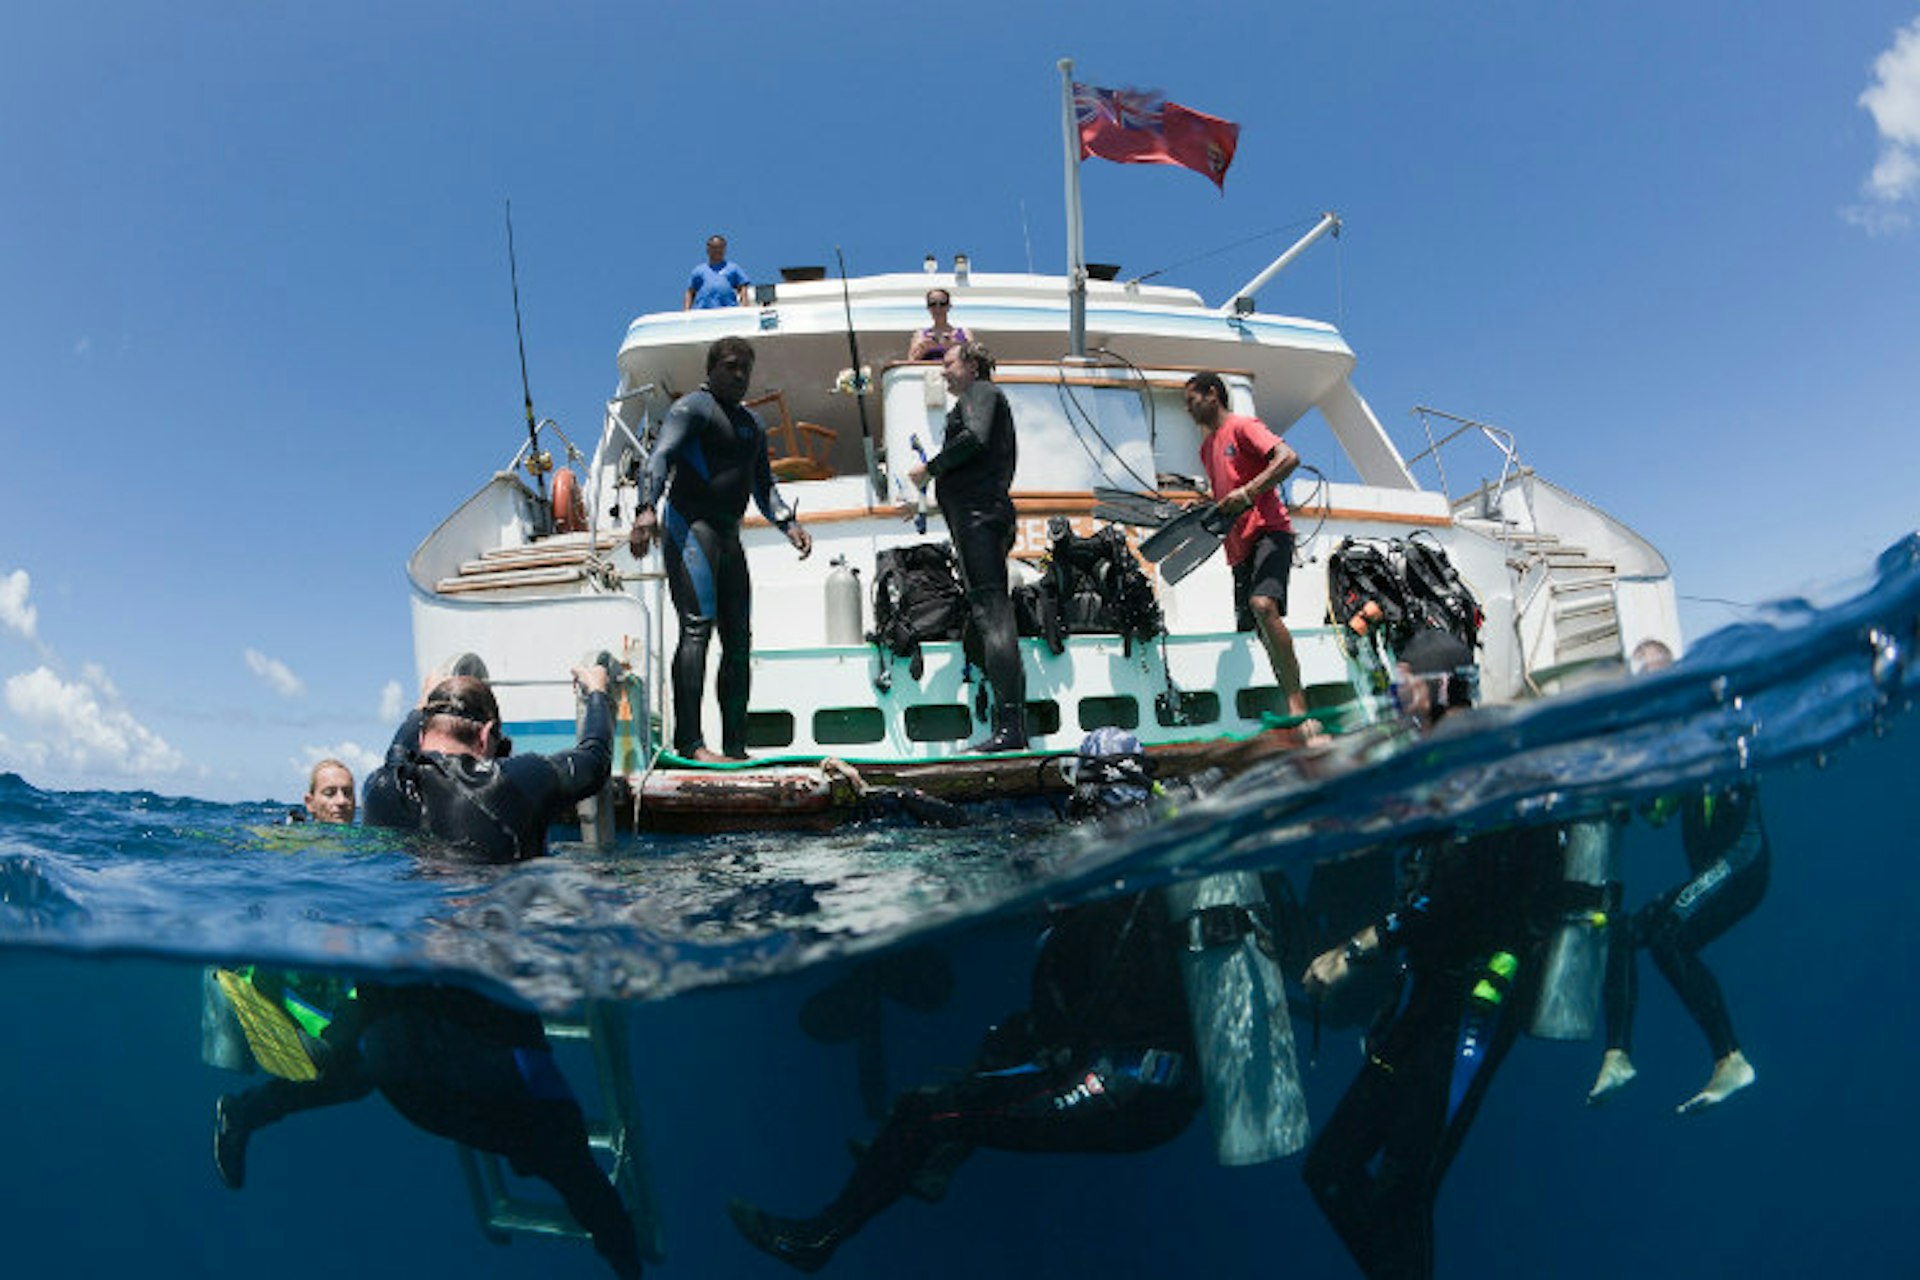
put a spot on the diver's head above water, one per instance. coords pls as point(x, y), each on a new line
point(330, 793)
point(460, 717)
point(1436, 675)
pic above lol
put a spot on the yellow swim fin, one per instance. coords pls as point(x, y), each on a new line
point(271, 1035)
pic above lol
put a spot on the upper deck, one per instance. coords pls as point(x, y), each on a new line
point(800, 336)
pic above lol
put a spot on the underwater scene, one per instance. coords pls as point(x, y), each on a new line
point(844, 1049)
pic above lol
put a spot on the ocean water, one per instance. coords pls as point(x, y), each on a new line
point(111, 903)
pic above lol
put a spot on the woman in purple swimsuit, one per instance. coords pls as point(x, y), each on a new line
point(931, 343)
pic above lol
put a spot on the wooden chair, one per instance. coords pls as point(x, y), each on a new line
point(797, 450)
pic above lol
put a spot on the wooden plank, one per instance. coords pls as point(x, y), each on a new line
point(512, 578)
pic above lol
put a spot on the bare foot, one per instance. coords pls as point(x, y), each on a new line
point(1616, 1071)
point(1730, 1075)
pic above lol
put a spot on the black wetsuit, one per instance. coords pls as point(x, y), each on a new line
point(1416, 1097)
point(452, 1061)
point(710, 458)
point(494, 810)
point(1729, 858)
point(465, 1067)
point(975, 468)
point(1101, 1061)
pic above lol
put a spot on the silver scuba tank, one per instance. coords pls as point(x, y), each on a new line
point(844, 619)
point(1241, 1026)
point(1574, 970)
point(598, 823)
point(222, 1043)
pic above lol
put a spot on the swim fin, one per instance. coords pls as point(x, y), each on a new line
point(271, 1034)
point(1192, 547)
point(1157, 545)
point(1122, 506)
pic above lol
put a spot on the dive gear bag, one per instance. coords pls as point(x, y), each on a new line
point(917, 596)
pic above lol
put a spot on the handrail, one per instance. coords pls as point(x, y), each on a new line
point(545, 424)
point(1499, 437)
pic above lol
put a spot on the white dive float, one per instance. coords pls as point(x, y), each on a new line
point(1566, 589)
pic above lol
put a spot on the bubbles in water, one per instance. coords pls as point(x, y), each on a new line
point(1719, 688)
point(1743, 749)
point(1889, 660)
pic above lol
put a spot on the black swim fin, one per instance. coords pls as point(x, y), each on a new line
point(1188, 542)
point(1122, 506)
point(1157, 545)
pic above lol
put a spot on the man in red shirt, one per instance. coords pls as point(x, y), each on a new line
point(1245, 463)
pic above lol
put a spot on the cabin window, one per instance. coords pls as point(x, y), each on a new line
point(1055, 439)
point(838, 725)
point(938, 723)
point(1042, 718)
point(1186, 709)
point(769, 728)
point(1104, 713)
point(1259, 700)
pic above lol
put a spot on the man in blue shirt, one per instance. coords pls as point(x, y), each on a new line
point(716, 282)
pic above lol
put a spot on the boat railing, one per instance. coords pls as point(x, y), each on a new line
point(538, 461)
point(1499, 438)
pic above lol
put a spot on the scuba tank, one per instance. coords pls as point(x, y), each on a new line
point(844, 622)
point(1575, 966)
point(1241, 1027)
point(223, 1042)
point(599, 824)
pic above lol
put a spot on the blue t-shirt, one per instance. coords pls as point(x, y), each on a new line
point(714, 286)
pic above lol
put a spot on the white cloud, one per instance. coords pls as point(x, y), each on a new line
point(83, 726)
point(31, 755)
point(393, 702)
point(16, 614)
point(1891, 190)
point(356, 757)
point(84, 347)
point(275, 673)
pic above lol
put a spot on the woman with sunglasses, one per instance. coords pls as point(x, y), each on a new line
point(932, 342)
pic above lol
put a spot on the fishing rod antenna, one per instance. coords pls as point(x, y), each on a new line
point(859, 381)
point(535, 463)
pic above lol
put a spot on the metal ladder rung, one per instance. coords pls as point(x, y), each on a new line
point(619, 1134)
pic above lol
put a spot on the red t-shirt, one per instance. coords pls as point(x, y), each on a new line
point(1237, 451)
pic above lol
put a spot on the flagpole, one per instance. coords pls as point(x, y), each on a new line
point(1076, 247)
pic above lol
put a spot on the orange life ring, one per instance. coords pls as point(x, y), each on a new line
point(569, 507)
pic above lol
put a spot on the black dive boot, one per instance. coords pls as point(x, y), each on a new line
point(1009, 733)
point(803, 1244)
point(229, 1142)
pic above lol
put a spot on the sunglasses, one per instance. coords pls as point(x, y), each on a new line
point(939, 304)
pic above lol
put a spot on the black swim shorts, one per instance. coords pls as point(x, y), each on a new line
point(1264, 572)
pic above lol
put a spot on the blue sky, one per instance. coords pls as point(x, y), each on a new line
point(258, 332)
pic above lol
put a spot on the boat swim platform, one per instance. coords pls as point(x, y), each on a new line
point(819, 793)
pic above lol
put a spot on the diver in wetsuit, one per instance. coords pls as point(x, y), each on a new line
point(1728, 857)
point(975, 469)
point(1474, 941)
point(445, 776)
point(450, 1060)
point(710, 457)
point(1102, 1060)
point(1728, 860)
point(1473, 921)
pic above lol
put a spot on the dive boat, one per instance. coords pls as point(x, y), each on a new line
point(532, 574)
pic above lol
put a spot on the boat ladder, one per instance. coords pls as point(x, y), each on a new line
point(617, 1134)
point(1566, 603)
